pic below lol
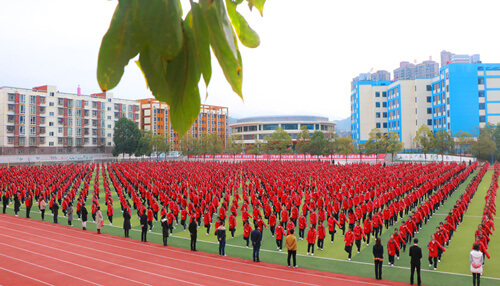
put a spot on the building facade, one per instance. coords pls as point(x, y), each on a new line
point(42, 120)
point(462, 97)
point(155, 117)
point(256, 128)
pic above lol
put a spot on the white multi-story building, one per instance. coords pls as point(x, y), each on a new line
point(42, 120)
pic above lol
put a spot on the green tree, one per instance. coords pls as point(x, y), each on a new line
point(377, 142)
point(463, 141)
point(344, 146)
point(443, 143)
point(160, 144)
point(331, 137)
point(187, 145)
point(257, 148)
point(393, 143)
point(235, 145)
point(318, 143)
point(144, 146)
point(126, 136)
point(302, 146)
point(214, 144)
point(280, 142)
point(484, 146)
point(423, 139)
point(175, 51)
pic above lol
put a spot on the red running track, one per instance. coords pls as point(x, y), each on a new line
point(41, 253)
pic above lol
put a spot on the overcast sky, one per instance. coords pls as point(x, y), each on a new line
point(310, 50)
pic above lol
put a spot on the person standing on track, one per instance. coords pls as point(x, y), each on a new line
point(291, 245)
point(5, 201)
point(193, 232)
point(69, 212)
point(378, 257)
point(42, 204)
point(165, 228)
point(126, 221)
point(221, 237)
point(256, 237)
point(55, 210)
point(85, 214)
point(99, 220)
point(476, 259)
point(144, 226)
point(416, 255)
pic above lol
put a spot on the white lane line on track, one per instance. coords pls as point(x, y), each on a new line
point(26, 276)
point(197, 256)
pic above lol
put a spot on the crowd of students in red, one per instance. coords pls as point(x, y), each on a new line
point(315, 197)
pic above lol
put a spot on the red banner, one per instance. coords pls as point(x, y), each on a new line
point(288, 157)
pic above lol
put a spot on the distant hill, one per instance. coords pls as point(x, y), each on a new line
point(343, 126)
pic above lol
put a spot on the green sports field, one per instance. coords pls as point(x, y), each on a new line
point(453, 269)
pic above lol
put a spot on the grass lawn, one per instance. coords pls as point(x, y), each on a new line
point(452, 270)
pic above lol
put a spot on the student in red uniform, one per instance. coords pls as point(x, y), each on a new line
point(321, 235)
point(247, 229)
point(367, 228)
point(272, 223)
point(280, 232)
point(232, 224)
point(311, 239)
point(392, 245)
point(358, 233)
point(433, 251)
point(342, 219)
point(150, 218)
point(349, 240)
point(207, 219)
point(331, 227)
point(302, 226)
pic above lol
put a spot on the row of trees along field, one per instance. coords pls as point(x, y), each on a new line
point(130, 140)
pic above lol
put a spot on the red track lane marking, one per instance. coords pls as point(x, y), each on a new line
point(66, 274)
point(121, 256)
point(25, 276)
point(65, 261)
point(100, 260)
point(285, 272)
point(202, 264)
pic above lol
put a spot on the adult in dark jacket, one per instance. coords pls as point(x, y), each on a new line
point(378, 257)
point(165, 228)
point(256, 237)
point(85, 214)
point(144, 227)
point(416, 255)
point(126, 222)
point(221, 237)
point(193, 231)
point(55, 210)
point(17, 204)
point(5, 201)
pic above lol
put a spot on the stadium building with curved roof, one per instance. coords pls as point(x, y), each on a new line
point(256, 128)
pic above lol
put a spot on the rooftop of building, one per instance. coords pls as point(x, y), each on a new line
point(283, 118)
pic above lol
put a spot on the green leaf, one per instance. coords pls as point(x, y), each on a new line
point(160, 21)
point(247, 36)
point(223, 42)
point(259, 4)
point(175, 82)
point(121, 42)
point(183, 76)
point(202, 39)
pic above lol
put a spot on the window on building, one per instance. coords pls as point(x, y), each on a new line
point(481, 93)
point(384, 104)
point(429, 110)
point(377, 104)
point(384, 115)
point(384, 93)
point(482, 118)
point(289, 126)
point(377, 114)
point(480, 80)
point(481, 106)
point(378, 124)
point(385, 125)
point(377, 94)
point(429, 99)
